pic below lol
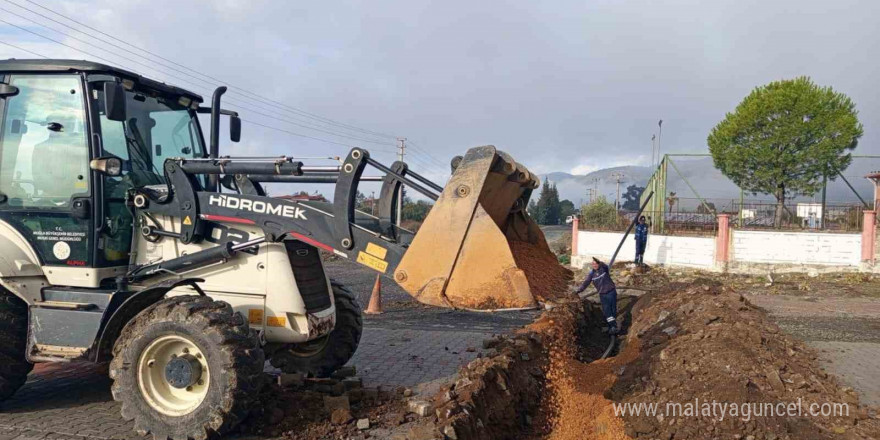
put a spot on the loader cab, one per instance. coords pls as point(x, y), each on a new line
point(53, 121)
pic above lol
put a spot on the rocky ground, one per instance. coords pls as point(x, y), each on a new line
point(692, 337)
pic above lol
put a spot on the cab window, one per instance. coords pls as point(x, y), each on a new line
point(156, 128)
point(44, 153)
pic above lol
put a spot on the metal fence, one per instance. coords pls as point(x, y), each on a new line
point(689, 192)
point(688, 216)
point(675, 223)
point(798, 216)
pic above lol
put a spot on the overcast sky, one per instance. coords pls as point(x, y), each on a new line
point(562, 85)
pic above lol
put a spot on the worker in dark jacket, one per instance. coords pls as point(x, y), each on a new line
point(600, 276)
point(641, 237)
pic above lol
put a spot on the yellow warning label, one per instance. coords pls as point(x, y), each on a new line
point(376, 250)
point(255, 316)
point(276, 321)
point(372, 262)
point(187, 221)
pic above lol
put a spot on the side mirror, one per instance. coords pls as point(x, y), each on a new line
point(235, 128)
point(114, 101)
point(7, 90)
point(110, 166)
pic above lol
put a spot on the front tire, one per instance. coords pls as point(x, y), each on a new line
point(14, 367)
point(186, 367)
point(320, 358)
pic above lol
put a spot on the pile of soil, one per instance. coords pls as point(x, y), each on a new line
point(548, 280)
point(704, 341)
point(688, 344)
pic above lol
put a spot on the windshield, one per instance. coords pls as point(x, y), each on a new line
point(156, 128)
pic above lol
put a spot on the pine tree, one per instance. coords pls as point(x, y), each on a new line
point(548, 207)
point(784, 138)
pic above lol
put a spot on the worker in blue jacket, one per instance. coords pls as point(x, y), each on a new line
point(641, 237)
point(600, 276)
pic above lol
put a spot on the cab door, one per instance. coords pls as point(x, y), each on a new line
point(45, 180)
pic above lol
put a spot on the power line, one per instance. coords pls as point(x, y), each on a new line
point(152, 67)
point(23, 49)
point(273, 102)
point(187, 81)
point(165, 73)
point(306, 136)
point(259, 99)
point(184, 80)
point(427, 154)
point(158, 71)
point(243, 120)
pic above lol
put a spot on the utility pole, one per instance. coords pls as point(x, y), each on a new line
point(373, 203)
point(659, 124)
point(653, 146)
point(618, 177)
point(822, 209)
point(659, 199)
point(401, 152)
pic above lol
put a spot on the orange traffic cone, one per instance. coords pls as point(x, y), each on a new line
point(375, 306)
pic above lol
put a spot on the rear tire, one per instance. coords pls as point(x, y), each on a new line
point(14, 367)
point(215, 346)
point(322, 357)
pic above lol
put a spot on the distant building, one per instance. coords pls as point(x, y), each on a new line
point(810, 215)
point(809, 210)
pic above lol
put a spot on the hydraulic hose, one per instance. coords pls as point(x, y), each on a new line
point(610, 347)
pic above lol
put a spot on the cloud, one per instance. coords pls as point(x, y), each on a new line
point(583, 169)
point(590, 164)
point(565, 85)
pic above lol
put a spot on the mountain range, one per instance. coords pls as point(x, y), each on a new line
point(706, 180)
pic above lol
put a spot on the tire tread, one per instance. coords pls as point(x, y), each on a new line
point(13, 344)
point(344, 339)
point(242, 366)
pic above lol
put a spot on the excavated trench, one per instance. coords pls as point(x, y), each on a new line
point(530, 385)
point(697, 342)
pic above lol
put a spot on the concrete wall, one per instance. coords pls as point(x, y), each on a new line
point(747, 251)
point(697, 252)
point(796, 248)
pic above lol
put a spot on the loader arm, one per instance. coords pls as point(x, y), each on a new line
point(460, 257)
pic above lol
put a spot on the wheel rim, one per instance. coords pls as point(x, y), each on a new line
point(309, 349)
point(154, 385)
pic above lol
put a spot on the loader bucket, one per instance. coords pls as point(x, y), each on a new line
point(462, 255)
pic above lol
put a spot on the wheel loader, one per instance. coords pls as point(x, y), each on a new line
point(125, 239)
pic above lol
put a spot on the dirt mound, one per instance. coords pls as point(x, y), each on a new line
point(703, 343)
point(548, 280)
point(690, 345)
